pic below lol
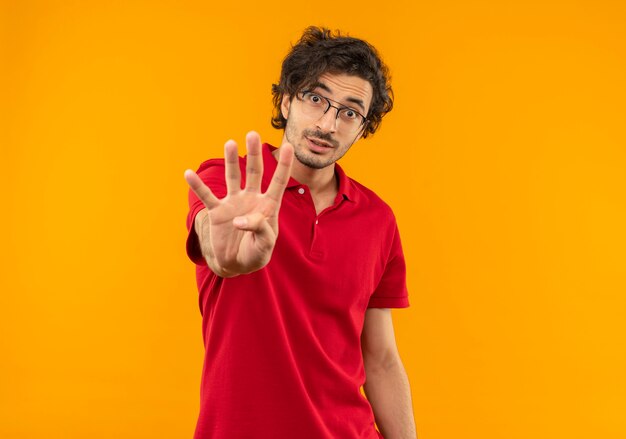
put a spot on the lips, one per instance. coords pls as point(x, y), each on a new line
point(319, 142)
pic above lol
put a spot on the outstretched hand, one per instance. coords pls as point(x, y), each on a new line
point(237, 233)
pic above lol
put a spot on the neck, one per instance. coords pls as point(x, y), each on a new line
point(318, 180)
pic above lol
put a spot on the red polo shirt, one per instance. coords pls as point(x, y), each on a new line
point(283, 344)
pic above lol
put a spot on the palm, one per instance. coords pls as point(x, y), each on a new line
point(231, 244)
point(235, 246)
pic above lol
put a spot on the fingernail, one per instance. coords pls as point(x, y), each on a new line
point(240, 221)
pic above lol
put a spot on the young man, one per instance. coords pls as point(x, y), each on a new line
point(294, 323)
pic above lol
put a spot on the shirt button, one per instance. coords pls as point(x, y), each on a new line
point(316, 221)
point(301, 191)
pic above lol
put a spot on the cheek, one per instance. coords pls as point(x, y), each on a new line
point(291, 129)
point(293, 124)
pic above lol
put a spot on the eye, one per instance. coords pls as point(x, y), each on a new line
point(314, 99)
point(349, 114)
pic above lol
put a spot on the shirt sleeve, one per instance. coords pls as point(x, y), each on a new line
point(212, 174)
point(391, 291)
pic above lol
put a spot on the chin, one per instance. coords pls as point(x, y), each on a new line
point(310, 161)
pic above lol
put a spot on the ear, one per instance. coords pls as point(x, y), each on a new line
point(284, 105)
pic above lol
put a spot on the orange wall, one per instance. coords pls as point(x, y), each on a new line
point(504, 160)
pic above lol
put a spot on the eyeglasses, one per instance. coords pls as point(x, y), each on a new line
point(316, 106)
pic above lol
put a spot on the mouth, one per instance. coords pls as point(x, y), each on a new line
point(318, 144)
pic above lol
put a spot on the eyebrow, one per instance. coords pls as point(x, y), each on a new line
point(324, 87)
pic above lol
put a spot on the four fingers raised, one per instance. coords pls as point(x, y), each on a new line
point(254, 172)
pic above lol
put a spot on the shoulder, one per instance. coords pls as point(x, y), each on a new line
point(215, 167)
point(368, 199)
point(212, 171)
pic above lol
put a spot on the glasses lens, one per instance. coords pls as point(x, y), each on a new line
point(315, 106)
point(349, 119)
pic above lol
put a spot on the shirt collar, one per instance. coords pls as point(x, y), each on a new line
point(346, 186)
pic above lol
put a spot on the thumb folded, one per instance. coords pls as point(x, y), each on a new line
point(255, 222)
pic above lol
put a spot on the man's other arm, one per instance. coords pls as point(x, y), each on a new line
point(387, 385)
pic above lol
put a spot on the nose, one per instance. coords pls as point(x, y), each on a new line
point(328, 121)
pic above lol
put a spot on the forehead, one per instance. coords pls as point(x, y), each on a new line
point(347, 89)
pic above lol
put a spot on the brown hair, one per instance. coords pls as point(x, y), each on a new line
point(321, 51)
